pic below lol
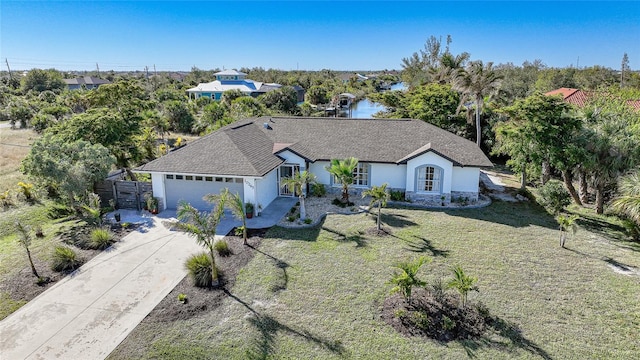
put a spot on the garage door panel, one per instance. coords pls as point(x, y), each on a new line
point(193, 191)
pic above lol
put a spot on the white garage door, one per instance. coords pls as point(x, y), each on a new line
point(191, 189)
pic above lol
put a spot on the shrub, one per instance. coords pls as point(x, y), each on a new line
point(57, 211)
point(339, 202)
point(397, 195)
point(307, 221)
point(27, 190)
point(100, 239)
point(200, 270)
point(291, 218)
point(554, 196)
point(6, 199)
point(318, 190)
point(222, 247)
point(65, 258)
point(182, 298)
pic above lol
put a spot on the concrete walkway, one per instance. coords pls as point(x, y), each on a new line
point(270, 216)
point(87, 314)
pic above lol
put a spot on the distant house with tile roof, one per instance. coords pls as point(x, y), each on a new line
point(580, 98)
point(85, 82)
point(251, 157)
point(235, 80)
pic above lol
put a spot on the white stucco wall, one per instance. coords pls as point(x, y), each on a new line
point(291, 158)
point(394, 175)
point(157, 182)
point(318, 169)
point(267, 189)
point(430, 158)
point(465, 179)
point(250, 190)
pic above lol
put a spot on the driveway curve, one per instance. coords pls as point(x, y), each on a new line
point(88, 313)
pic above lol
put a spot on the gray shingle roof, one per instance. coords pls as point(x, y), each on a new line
point(246, 147)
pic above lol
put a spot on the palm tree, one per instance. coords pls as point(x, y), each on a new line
point(566, 223)
point(379, 198)
point(25, 240)
point(342, 170)
point(202, 226)
point(628, 202)
point(463, 283)
point(407, 278)
point(235, 204)
point(476, 82)
point(297, 184)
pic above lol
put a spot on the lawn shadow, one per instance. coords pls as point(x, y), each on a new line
point(520, 214)
point(620, 266)
point(280, 264)
point(423, 245)
point(396, 220)
point(263, 347)
point(356, 237)
point(616, 233)
point(510, 337)
point(298, 234)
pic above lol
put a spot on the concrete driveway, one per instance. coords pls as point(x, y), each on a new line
point(87, 314)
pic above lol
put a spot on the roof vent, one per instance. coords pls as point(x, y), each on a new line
point(266, 126)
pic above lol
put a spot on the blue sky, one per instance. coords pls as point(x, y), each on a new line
point(361, 35)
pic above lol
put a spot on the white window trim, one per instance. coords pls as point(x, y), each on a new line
point(420, 183)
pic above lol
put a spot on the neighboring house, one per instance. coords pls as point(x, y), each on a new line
point(251, 157)
point(235, 80)
point(85, 82)
point(580, 98)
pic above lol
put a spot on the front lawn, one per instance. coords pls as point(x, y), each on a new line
point(318, 293)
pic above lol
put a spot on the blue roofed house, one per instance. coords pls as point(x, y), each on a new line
point(251, 157)
point(235, 80)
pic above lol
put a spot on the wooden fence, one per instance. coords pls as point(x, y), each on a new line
point(128, 194)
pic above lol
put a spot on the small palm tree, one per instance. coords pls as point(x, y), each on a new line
point(24, 239)
point(628, 202)
point(379, 198)
point(202, 226)
point(343, 172)
point(463, 283)
point(297, 184)
point(235, 204)
point(406, 278)
point(566, 223)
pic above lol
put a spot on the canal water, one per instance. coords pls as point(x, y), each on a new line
point(364, 109)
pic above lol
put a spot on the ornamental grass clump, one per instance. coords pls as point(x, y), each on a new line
point(222, 247)
point(100, 239)
point(65, 259)
point(200, 270)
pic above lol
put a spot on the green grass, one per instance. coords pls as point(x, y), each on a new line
point(318, 293)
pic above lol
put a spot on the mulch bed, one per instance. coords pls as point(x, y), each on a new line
point(23, 286)
point(201, 300)
point(435, 317)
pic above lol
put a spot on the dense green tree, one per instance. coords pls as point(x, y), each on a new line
point(283, 100)
point(317, 95)
point(477, 81)
point(69, 168)
point(179, 116)
point(541, 129)
point(246, 107)
point(435, 104)
point(115, 131)
point(42, 80)
point(230, 95)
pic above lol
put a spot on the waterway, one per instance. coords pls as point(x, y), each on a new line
point(364, 109)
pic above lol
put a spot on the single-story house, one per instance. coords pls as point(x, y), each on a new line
point(251, 157)
point(86, 82)
point(580, 98)
point(235, 80)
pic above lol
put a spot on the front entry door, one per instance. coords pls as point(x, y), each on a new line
point(287, 171)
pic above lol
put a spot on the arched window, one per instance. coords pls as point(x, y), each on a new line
point(429, 179)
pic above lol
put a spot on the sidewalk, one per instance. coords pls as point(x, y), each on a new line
point(87, 314)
